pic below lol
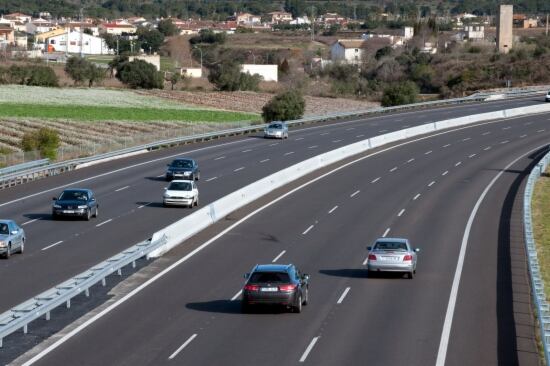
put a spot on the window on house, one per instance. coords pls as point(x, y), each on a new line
point(73, 43)
point(63, 43)
point(52, 41)
point(356, 50)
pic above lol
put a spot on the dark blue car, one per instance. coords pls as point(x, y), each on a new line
point(75, 202)
point(183, 168)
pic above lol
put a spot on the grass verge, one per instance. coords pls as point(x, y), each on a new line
point(540, 207)
point(98, 113)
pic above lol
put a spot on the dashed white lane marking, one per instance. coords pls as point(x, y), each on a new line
point(53, 245)
point(350, 129)
point(416, 197)
point(308, 349)
point(472, 155)
point(405, 126)
point(375, 180)
point(410, 160)
point(313, 146)
point(401, 212)
point(458, 163)
point(162, 175)
point(121, 189)
point(386, 232)
point(263, 161)
point(220, 157)
point(487, 148)
point(528, 123)
point(307, 230)
point(333, 209)
point(360, 136)
point(336, 141)
point(431, 183)
point(506, 128)
point(393, 169)
point(104, 222)
point(29, 222)
point(398, 119)
point(325, 133)
point(486, 133)
point(522, 136)
point(428, 152)
point(539, 131)
point(275, 144)
point(445, 173)
point(382, 131)
point(446, 145)
point(343, 296)
point(145, 204)
point(189, 340)
point(354, 193)
point(278, 257)
point(289, 153)
point(299, 138)
point(366, 260)
point(236, 296)
point(247, 150)
point(504, 142)
point(466, 139)
point(211, 179)
point(239, 169)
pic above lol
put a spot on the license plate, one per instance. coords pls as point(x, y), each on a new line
point(268, 289)
point(390, 258)
point(68, 211)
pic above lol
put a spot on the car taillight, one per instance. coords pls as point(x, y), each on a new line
point(372, 257)
point(252, 288)
point(287, 288)
point(407, 257)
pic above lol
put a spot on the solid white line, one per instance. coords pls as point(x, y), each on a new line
point(236, 296)
point(263, 161)
point(307, 230)
point(458, 163)
point(471, 156)
point(238, 169)
point(184, 259)
point(336, 141)
point(393, 169)
point(53, 245)
point(401, 212)
point(219, 158)
point(445, 173)
point(278, 257)
point(354, 193)
point(375, 180)
point(428, 152)
point(103, 223)
point(445, 334)
point(247, 150)
point(446, 145)
point(410, 160)
point(147, 204)
point(415, 197)
point(343, 296)
point(386, 232)
point(182, 346)
point(308, 349)
point(29, 222)
point(333, 209)
point(431, 183)
point(121, 189)
point(289, 153)
point(313, 147)
point(211, 179)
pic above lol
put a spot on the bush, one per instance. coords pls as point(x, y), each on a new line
point(34, 75)
point(80, 70)
point(140, 74)
point(45, 140)
point(208, 36)
point(227, 76)
point(284, 106)
point(401, 93)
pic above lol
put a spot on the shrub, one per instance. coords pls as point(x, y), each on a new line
point(208, 36)
point(42, 76)
point(401, 93)
point(140, 74)
point(80, 70)
point(284, 106)
point(45, 140)
point(227, 76)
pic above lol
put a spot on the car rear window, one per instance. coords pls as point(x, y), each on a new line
point(272, 277)
point(181, 164)
point(388, 245)
point(179, 186)
point(276, 126)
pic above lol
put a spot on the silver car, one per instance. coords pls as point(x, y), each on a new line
point(547, 98)
point(12, 238)
point(392, 255)
point(276, 130)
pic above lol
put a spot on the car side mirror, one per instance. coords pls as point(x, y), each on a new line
point(369, 248)
point(417, 250)
point(246, 276)
point(14, 232)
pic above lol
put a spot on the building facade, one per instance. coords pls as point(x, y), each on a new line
point(77, 42)
point(505, 28)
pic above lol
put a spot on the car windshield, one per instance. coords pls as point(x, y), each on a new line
point(271, 277)
point(390, 245)
point(181, 164)
point(277, 126)
point(179, 186)
point(4, 229)
point(73, 196)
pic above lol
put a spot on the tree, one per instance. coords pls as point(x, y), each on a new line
point(284, 67)
point(80, 70)
point(227, 76)
point(174, 79)
point(140, 74)
point(401, 93)
point(167, 27)
point(284, 106)
point(208, 36)
point(150, 39)
point(45, 140)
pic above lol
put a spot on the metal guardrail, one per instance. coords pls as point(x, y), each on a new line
point(24, 166)
point(20, 316)
point(537, 283)
point(8, 180)
point(165, 239)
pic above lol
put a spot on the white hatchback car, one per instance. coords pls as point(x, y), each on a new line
point(181, 193)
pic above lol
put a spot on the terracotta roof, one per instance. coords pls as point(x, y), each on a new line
point(114, 25)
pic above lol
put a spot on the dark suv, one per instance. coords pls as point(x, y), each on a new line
point(182, 168)
point(75, 202)
point(276, 284)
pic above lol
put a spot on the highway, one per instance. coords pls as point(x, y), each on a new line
point(427, 190)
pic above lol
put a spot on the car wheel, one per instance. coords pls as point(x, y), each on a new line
point(8, 252)
point(198, 176)
point(22, 247)
point(306, 300)
point(96, 214)
point(298, 307)
point(197, 201)
point(88, 215)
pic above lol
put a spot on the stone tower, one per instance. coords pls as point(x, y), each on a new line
point(504, 28)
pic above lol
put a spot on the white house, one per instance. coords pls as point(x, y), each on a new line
point(71, 43)
point(348, 50)
point(474, 33)
point(267, 72)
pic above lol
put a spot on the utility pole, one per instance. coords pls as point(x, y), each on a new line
point(547, 25)
point(81, 33)
point(312, 23)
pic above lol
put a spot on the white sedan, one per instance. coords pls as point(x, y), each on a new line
point(181, 193)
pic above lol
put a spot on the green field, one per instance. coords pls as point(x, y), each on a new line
point(111, 113)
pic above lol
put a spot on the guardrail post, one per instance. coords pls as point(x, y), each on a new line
point(134, 264)
point(47, 315)
point(25, 329)
point(103, 282)
point(1, 342)
point(87, 292)
point(119, 271)
point(69, 304)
